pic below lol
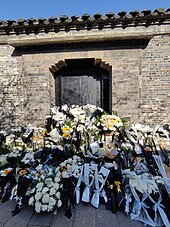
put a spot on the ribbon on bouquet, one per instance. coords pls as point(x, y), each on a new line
point(6, 185)
point(156, 143)
point(128, 198)
point(161, 219)
point(77, 188)
point(140, 207)
point(111, 203)
point(99, 189)
point(86, 192)
point(69, 191)
point(23, 184)
point(137, 145)
point(162, 171)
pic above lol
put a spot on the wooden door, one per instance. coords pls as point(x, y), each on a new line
point(81, 83)
point(81, 90)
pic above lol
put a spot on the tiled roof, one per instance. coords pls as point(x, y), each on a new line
point(86, 21)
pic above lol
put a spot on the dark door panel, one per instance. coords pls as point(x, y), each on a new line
point(82, 84)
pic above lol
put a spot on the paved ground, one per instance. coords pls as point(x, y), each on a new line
point(83, 216)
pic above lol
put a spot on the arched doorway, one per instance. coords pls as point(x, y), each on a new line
point(82, 81)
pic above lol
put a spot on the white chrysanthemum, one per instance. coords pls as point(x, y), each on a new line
point(38, 196)
point(45, 190)
point(55, 109)
point(48, 182)
point(49, 208)
point(66, 174)
point(63, 163)
point(55, 135)
point(45, 198)
point(105, 128)
point(3, 133)
point(70, 160)
point(31, 201)
point(56, 186)
point(112, 128)
point(14, 153)
point(93, 120)
point(59, 204)
point(80, 128)
point(52, 191)
point(58, 195)
point(28, 157)
point(65, 107)
point(75, 168)
point(69, 168)
point(38, 207)
point(32, 191)
point(3, 158)
point(74, 161)
point(44, 207)
point(40, 185)
point(52, 201)
point(57, 169)
point(79, 159)
point(58, 174)
point(39, 167)
point(42, 177)
point(75, 157)
point(56, 179)
point(98, 123)
point(89, 107)
point(59, 116)
point(78, 113)
point(74, 123)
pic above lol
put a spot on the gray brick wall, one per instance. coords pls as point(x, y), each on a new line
point(140, 81)
point(155, 97)
point(12, 95)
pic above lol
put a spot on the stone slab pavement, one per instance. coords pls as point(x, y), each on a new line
point(83, 216)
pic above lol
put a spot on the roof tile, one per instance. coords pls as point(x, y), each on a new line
point(85, 16)
point(146, 12)
point(160, 11)
point(97, 16)
point(52, 19)
point(116, 16)
point(86, 19)
point(110, 14)
point(74, 17)
point(63, 18)
point(122, 13)
point(134, 13)
point(21, 20)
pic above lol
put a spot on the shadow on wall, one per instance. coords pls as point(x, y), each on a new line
point(10, 112)
point(85, 46)
point(7, 106)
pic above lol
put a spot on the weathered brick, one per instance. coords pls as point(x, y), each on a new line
point(140, 77)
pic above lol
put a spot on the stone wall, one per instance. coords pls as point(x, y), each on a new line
point(140, 81)
point(155, 93)
point(12, 95)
